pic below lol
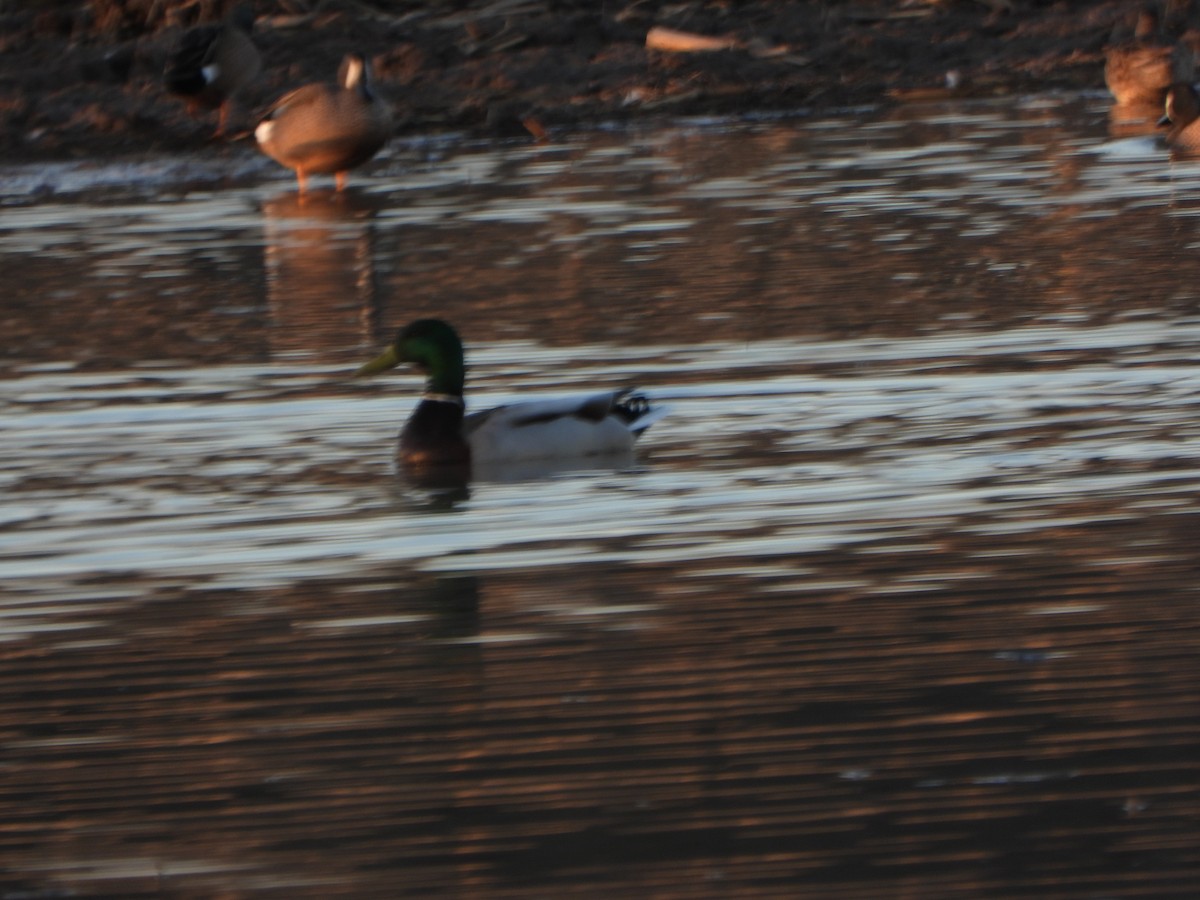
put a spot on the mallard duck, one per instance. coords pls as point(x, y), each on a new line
point(1139, 71)
point(323, 129)
point(214, 62)
point(1182, 117)
point(439, 433)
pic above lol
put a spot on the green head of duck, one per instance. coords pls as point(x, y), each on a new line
point(431, 345)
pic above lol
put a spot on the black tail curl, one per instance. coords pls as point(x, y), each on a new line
point(631, 406)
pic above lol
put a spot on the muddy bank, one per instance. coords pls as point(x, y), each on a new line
point(84, 79)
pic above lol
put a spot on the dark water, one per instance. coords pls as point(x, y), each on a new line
point(899, 601)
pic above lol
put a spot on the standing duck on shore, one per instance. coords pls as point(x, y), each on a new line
point(322, 129)
point(214, 62)
point(1139, 70)
point(1182, 118)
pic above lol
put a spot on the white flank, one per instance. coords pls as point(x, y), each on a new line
point(507, 434)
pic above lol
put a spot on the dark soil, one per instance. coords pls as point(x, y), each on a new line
point(84, 79)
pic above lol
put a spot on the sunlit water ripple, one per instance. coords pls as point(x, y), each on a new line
point(130, 475)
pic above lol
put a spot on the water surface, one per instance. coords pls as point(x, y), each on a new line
point(900, 599)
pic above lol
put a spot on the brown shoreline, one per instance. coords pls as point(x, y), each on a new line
point(83, 79)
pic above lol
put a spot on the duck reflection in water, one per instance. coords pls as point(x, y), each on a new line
point(440, 441)
point(320, 273)
point(452, 601)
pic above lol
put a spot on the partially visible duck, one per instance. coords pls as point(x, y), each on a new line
point(214, 62)
point(438, 433)
point(322, 129)
point(1138, 71)
point(1182, 116)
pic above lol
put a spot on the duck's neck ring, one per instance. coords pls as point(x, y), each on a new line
point(435, 397)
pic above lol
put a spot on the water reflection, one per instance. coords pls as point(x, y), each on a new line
point(444, 486)
point(899, 598)
point(319, 257)
point(1135, 119)
point(901, 224)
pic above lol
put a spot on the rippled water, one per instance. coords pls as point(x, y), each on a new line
point(899, 600)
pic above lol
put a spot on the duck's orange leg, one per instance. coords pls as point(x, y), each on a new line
point(222, 117)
